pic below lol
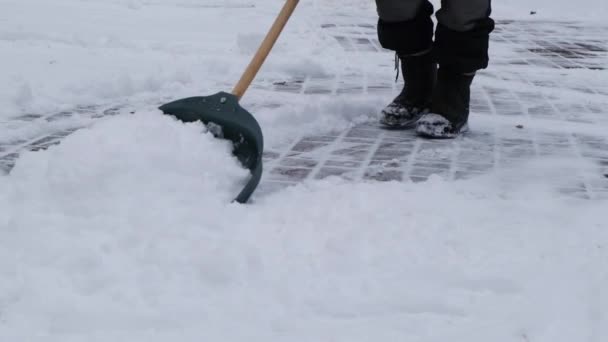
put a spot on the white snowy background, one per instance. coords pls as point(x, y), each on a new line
point(124, 231)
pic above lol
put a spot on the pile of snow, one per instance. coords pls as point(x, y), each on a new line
point(147, 153)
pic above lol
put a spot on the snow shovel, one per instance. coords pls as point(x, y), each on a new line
point(227, 119)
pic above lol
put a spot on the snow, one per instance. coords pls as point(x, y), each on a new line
point(137, 241)
point(125, 231)
point(322, 260)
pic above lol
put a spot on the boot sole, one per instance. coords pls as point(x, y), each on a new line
point(410, 124)
point(463, 130)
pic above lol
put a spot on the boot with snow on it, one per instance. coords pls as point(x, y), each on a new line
point(419, 74)
point(450, 106)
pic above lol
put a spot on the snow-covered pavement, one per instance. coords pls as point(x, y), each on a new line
point(545, 95)
point(116, 222)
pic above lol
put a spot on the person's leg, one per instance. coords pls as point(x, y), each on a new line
point(461, 48)
point(406, 27)
point(463, 33)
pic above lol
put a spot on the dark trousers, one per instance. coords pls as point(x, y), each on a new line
point(461, 38)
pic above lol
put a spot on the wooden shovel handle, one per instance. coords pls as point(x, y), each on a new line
point(265, 48)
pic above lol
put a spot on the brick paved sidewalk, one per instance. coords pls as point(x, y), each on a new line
point(533, 108)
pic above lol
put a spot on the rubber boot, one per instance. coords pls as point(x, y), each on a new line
point(450, 106)
point(419, 74)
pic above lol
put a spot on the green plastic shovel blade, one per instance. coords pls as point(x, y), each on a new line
point(226, 119)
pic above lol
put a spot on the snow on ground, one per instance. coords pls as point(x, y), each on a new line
point(125, 231)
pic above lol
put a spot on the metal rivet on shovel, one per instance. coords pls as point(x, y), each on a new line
point(228, 117)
